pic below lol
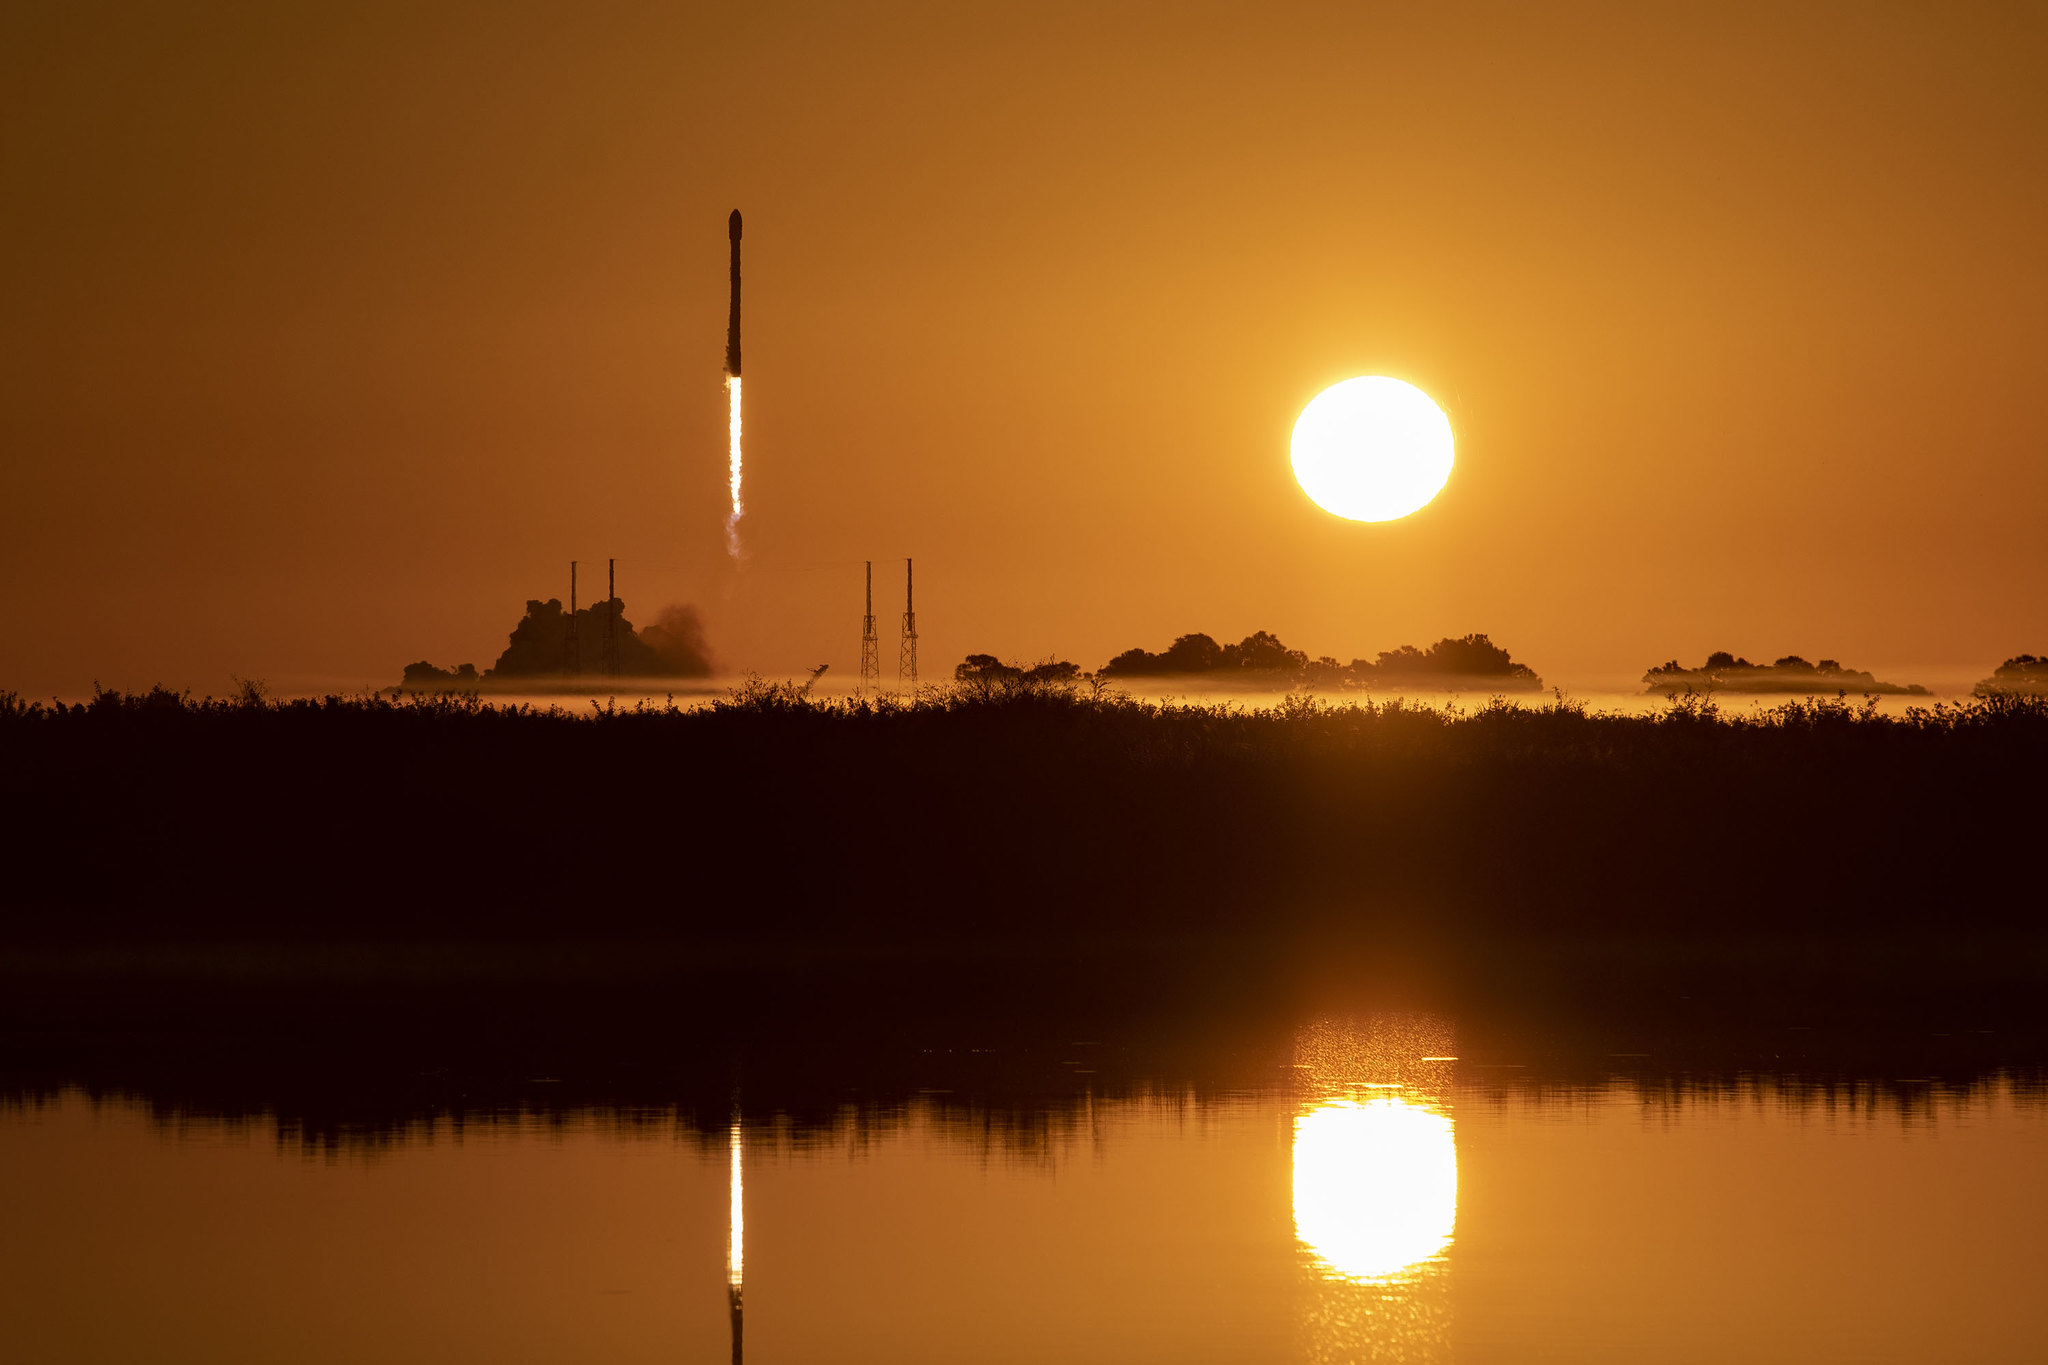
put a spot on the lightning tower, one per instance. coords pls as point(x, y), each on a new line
point(870, 648)
point(906, 653)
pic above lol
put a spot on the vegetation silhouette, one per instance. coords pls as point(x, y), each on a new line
point(360, 914)
point(1791, 675)
point(1260, 659)
point(1041, 816)
point(336, 1072)
point(2021, 675)
point(550, 643)
point(988, 677)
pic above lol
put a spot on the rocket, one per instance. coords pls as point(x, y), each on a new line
point(732, 328)
point(734, 460)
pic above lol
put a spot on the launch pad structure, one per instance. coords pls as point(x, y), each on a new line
point(871, 645)
point(870, 648)
point(906, 653)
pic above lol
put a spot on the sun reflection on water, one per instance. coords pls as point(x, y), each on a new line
point(1376, 1186)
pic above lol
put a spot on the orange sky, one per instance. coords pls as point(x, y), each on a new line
point(326, 341)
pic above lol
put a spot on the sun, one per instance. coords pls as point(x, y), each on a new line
point(1372, 449)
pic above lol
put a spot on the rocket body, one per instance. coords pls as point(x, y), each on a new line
point(734, 471)
point(732, 329)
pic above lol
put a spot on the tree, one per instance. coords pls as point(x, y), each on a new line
point(1262, 651)
point(985, 671)
point(1191, 654)
point(988, 676)
point(1132, 663)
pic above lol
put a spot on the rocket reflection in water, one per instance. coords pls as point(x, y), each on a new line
point(736, 1240)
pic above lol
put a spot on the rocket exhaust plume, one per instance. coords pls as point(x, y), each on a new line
point(732, 389)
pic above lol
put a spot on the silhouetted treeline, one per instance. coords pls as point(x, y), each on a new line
point(1791, 675)
point(1450, 664)
point(986, 674)
point(1034, 816)
point(550, 642)
point(2021, 675)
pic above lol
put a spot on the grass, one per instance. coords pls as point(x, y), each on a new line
point(623, 893)
point(1012, 814)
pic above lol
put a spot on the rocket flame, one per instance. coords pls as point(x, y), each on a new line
point(739, 508)
point(735, 1246)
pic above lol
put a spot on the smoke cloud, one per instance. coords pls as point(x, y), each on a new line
point(596, 640)
point(677, 639)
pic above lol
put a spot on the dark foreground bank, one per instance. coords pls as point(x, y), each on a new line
point(1035, 817)
point(354, 913)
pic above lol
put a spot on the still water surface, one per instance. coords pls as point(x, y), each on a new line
point(1386, 1202)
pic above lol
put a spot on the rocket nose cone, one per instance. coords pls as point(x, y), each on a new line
point(732, 225)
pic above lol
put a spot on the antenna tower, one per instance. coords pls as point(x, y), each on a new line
point(573, 654)
point(611, 618)
point(906, 654)
point(870, 651)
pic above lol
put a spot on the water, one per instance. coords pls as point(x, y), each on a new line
point(1378, 1197)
